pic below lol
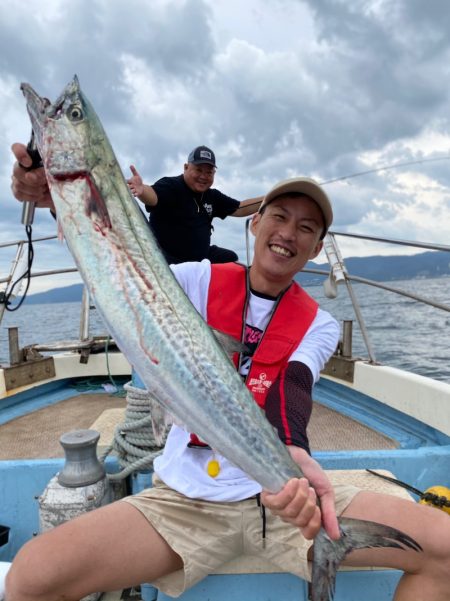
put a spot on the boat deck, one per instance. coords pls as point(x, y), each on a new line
point(36, 435)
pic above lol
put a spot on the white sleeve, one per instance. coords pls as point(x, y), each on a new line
point(194, 278)
point(318, 344)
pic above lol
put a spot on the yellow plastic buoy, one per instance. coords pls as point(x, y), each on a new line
point(213, 468)
point(440, 491)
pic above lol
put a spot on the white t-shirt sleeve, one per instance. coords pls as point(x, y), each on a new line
point(318, 344)
point(194, 277)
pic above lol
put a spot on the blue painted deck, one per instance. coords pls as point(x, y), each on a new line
point(422, 459)
point(350, 586)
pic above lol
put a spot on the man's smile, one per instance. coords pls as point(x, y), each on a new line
point(281, 250)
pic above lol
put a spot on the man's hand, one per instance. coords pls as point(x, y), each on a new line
point(29, 185)
point(135, 183)
point(296, 503)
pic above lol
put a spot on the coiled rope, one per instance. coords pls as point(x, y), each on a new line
point(134, 439)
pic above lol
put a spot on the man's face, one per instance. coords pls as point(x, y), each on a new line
point(199, 178)
point(287, 237)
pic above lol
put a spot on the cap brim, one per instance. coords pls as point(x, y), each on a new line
point(302, 185)
point(203, 162)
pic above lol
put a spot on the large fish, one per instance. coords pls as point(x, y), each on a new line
point(153, 322)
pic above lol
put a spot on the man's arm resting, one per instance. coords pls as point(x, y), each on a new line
point(248, 207)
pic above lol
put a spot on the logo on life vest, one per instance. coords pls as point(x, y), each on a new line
point(260, 384)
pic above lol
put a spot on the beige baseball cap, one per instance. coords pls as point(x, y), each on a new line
point(302, 185)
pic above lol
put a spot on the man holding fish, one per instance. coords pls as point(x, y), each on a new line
point(190, 522)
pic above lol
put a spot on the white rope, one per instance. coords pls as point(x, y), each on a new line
point(134, 439)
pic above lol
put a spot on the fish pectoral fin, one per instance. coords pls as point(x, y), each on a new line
point(355, 534)
point(228, 343)
point(95, 206)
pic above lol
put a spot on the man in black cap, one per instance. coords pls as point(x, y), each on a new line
point(182, 209)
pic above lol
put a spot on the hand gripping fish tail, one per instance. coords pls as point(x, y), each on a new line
point(153, 322)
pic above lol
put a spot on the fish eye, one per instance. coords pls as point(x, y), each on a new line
point(74, 113)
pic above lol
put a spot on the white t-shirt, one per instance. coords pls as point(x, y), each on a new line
point(184, 468)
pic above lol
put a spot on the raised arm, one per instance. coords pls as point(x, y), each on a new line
point(144, 192)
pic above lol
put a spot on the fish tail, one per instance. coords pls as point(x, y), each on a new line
point(355, 534)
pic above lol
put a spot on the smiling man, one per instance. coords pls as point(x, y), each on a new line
point(182, 209)
point(291, 234)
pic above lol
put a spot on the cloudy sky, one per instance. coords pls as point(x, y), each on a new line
point(322, 88)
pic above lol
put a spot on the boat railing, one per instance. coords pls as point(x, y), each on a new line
point(337, 274)
point(21, 270)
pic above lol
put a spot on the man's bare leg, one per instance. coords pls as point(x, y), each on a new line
point(107, 549)
point(427, 573)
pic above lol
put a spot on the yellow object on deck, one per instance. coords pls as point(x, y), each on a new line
point(440, 491)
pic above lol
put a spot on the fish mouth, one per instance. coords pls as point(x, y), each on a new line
point(37, 107)
point(40, 109)
point(70, 176)
point(36, 104)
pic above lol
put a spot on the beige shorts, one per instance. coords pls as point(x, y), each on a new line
point(207, 535)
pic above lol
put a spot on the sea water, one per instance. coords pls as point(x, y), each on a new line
point(402, 332)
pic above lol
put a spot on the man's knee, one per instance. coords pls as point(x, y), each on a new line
point(28, 579)
point(436, 526)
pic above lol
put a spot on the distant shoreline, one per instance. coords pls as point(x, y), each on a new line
point(432, 264)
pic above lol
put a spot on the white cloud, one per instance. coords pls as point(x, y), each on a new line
point(276, 87)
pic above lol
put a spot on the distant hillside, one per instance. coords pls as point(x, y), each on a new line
point(383, 269)
point(68, 294)
point(379, 268)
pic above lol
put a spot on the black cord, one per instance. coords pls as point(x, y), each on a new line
point(5, 296)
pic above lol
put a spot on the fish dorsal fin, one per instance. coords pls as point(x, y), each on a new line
point(229, 344)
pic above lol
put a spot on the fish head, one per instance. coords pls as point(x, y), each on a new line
point(75, 152)
point(64, 131)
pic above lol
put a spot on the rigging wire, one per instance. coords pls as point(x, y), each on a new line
point(385, 168)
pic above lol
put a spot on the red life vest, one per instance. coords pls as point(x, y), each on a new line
point(294, 313)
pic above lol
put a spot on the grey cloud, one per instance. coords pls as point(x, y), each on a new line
point(88, 37)
point(383, 60)
point(374, 75)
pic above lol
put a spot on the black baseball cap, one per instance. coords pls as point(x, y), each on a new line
point(202, 154)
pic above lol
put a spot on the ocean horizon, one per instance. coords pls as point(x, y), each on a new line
point(402, 332)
